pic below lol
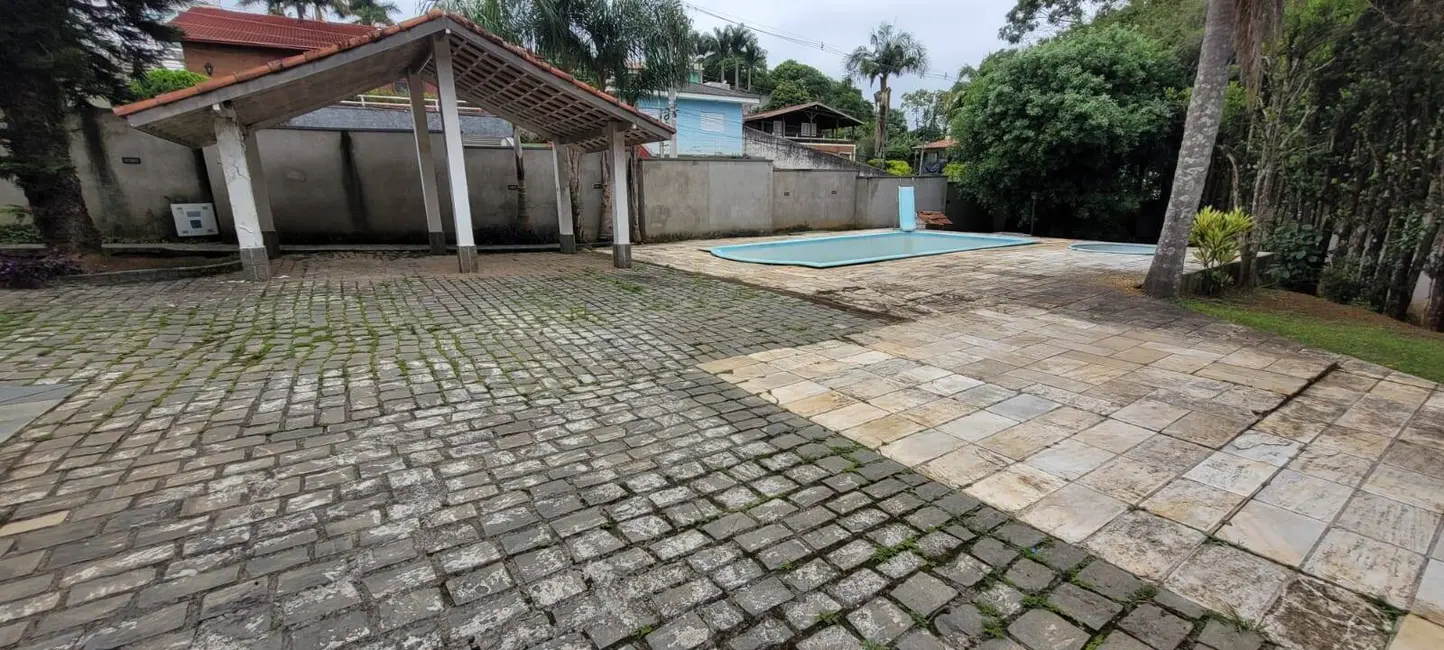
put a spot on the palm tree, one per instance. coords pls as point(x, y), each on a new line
point(892, 53)
point(511, 20)
point(600, 41)
point(752, 56)
point(279, 7)
point(1230, 24)
point(372, 12)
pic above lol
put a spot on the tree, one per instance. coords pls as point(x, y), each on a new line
point(57, 54)
point(162, 80)
point(1231, 24)
point(510, 20)
point(372, 12)
point(1073, 136)
point(892, 53)
point(816, 85)
point(787, 93)
point(928, 109)
point(279, 7)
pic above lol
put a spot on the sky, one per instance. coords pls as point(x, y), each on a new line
point(956, 32)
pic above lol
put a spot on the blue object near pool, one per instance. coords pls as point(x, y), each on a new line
point(1118, 249)
point(842, 250)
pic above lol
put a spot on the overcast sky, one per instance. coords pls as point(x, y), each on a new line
point(956, 32)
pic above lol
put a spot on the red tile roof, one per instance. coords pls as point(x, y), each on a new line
point(376, 35)
point(212, 25)
point(945, 143)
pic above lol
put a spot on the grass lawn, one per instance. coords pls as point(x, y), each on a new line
point(1347, 330)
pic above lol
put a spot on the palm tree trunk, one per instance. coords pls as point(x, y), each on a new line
point(523, 219)
point(672, 120)
point(879, 137)
point(1200, 130)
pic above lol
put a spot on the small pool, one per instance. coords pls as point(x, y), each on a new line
point(1117, 249)
point(842, 250)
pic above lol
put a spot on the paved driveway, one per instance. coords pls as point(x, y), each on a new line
point(373, 452)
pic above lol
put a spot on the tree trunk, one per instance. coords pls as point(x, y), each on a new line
point(1200, 130)
point(39, 151)
point(604, 230)
point(574, 183)
point(879, 137)
point(523, 219)
point(672, 121)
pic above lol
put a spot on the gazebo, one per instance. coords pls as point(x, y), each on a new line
point(462, 60)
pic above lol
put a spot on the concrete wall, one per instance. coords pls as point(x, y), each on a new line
point(813, 198)
point(333, 184)
point(127, 178)
point(684, 197)
point(786, 154)
point(694, 197)
point(877, 197)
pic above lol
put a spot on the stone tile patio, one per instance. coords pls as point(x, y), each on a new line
point(373, 452)
point(1146, 434)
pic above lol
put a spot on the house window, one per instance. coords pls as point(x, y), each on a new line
point(809, 130)
point(777, 127)
point(712, 122)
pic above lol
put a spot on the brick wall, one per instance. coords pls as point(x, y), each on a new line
point(227, 59)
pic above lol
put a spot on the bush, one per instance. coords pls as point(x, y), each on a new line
point(1296, 257)
point(899, 168)
point(1344, 281)
point(1216, 238)
point(161, 81)
point(33, 272)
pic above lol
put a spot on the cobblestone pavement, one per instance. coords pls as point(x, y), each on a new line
point(371, 452)
point(1218, 461)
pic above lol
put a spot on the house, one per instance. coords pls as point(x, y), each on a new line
point(709, 118)
point(814, 125)
point(217, 42)
point(933, 156)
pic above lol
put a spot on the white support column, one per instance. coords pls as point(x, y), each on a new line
point(435, 235)
point(231, 147)
point(564, 200)
point(621, 231)
point(455, 160)
point(263, 196)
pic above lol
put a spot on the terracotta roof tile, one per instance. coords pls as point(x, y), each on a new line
point(213, 25)
point(356, 41)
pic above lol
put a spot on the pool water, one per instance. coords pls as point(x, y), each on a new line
point(1118, 249)
point(842, 250)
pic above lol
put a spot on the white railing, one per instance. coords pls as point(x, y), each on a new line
point(401, 101)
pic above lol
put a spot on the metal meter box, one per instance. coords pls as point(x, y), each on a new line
point(194, 219)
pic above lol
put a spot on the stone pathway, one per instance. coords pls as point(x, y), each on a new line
point(21, 404)
point(1211, 459)
point(371, 452)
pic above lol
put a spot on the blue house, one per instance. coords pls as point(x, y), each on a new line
point(709, 119)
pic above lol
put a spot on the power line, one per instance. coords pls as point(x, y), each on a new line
point(793, 38)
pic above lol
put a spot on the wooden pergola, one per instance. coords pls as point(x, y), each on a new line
point(462, 60)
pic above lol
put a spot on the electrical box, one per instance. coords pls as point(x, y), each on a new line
point(194, 219)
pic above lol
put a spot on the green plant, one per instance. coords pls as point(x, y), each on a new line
point(1215, 238)
point(899, 168)
point(954, 171)
point(1296, 256)
point(160, 81)
point(1344, 280)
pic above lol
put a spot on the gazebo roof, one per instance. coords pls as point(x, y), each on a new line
point(499, 77)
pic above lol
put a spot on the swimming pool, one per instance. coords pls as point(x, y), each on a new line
point(842, 250)
point(1110, 247)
